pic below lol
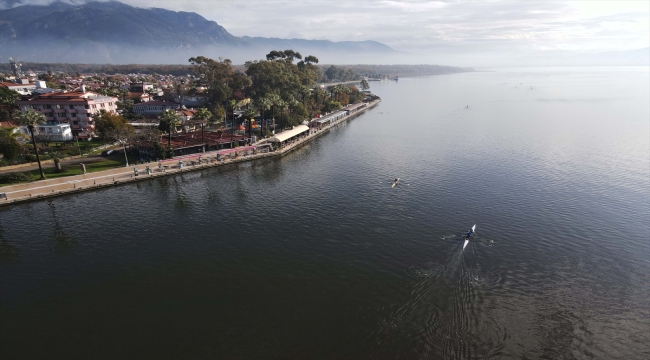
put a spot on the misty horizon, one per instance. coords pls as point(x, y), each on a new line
point(464, 34)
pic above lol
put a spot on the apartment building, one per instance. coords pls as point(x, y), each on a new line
point(75, 108)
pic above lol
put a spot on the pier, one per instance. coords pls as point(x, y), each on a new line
point(45, 189)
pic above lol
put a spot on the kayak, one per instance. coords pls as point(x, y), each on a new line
point(467, 240)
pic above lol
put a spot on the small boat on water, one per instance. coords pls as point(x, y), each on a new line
point(471, 233)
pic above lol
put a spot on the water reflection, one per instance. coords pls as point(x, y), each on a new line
point(62, 240)
point(8, 251)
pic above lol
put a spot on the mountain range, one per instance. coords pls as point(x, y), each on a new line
point(113, 32)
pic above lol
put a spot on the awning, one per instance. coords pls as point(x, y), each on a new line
point(286, 135)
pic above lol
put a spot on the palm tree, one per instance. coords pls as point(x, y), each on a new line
point(57, 156)
point(275, 100)
point(320, 95)
point(31, 119)
point(305, 92)
point(250, 115)
point(281, 105)
point(344, 90)
point(232, 105)
point(202, 115)
point(263, 104)
point(172, 119)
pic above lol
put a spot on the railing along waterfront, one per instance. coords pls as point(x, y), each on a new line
point(45, 189)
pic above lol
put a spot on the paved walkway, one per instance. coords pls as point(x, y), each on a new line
point(49, 164)
point(66, 185)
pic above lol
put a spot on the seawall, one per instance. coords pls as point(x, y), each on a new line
point(46, 189)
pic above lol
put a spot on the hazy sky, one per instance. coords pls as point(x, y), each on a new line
point(512, 28)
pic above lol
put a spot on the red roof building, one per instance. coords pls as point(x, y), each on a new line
point(75, 108)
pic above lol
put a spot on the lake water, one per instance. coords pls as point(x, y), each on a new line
point(315, 256)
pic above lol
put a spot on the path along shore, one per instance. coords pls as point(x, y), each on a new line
point(45, 189)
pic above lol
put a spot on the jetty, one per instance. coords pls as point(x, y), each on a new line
point(276, 146)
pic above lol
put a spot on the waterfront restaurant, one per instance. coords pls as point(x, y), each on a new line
point(290, 136)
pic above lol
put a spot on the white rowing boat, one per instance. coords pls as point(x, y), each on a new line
point(467, 240)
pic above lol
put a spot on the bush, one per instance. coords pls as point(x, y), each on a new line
point(16, 177)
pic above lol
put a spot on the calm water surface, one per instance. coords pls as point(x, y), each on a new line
point(314, 256)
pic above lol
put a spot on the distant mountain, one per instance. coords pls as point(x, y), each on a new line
point(113, 32)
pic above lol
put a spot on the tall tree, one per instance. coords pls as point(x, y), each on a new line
point(364, 85)
point(9, 144)
point(202, 116)
point(8, 100)
point(263, 104)
point(169, 120)
point(219, 77)
point(232, 105)
point(250, 114)
point(32, 119)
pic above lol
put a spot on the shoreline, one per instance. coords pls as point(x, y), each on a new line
point(47, 189)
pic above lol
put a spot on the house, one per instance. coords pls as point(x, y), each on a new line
point(75, 108)
point(139, 97)
point(186, 114)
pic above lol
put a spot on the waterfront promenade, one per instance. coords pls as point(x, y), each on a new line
point(45, 189)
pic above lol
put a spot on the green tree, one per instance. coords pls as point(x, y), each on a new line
point(279, 75)
point(202, 116)
point(219, 77)
point(332, 106)
point(57, 156)
point(107, 123)
point(232, 105)
point(31, 119)
point(263, 104)
point(8, 100)
point(169, 120)
point(250, 114)
point(364, 85)
point(9, 145)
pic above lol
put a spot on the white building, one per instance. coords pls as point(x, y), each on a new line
point(154, 107)
point(75, 108)
point(51, 131)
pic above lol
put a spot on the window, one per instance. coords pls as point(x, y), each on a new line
point(47, 106)
point(71, 106)
point(86, 107)
point(75, 122)
point(59, 106)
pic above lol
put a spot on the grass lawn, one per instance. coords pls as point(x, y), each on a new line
point(70, 170)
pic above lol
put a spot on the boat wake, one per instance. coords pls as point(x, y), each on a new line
point(443, 317)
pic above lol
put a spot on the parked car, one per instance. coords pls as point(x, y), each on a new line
point(108, 152)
